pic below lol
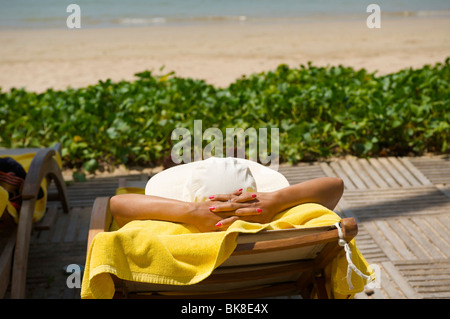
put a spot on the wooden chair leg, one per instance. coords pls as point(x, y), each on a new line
point(6, 257)
point(305, 284)
point(18, 282)
point(319, 282)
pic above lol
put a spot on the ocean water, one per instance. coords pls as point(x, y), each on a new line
point(130, 13)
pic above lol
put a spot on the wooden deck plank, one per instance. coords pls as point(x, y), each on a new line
point(301, 172)
point(445, 189)
point(421, 238)
point(348, 183)
point(437, 240)
point(373, 173)
point(383, 173)
point(429, 279)
point(395, 240)
point(409, 240)
point(352, 175)
point(69, 235)
point(60, 226)
point(405, 287)
point(389, 286)
point(84, 224)
point(436, 168)
point(379, 237)
point(370, 249)
point(327, 170)
point(440, 229)
point(444, 220)
point(377, 203)
point(404, 171)
point(394, 172)
point(423, 193)
point(360, 170)
point(417, 173)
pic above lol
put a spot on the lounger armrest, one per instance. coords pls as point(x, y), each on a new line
point(43, 166)
point(100, 218)
point(349, 228)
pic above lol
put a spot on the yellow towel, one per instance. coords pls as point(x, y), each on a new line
point(170, 253)
point(39, 211)
point(5, 205)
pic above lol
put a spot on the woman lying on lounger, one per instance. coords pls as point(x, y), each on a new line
point(221, 210)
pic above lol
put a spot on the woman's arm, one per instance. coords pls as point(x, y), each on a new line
point(208, 216)
point(326, 191)
point(128, 207)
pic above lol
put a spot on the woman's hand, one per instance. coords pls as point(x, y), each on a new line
point(248, 206)
point(221, 211)
point(202, 216)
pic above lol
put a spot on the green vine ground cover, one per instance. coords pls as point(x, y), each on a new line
point(320, 112)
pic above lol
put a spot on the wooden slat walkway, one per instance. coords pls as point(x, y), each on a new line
point(402, 206)
point(437, 169)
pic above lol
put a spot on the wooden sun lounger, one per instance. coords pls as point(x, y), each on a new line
point(14, 243)
point(266, 264)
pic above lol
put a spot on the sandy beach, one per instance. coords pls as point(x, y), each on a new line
point(217, 53)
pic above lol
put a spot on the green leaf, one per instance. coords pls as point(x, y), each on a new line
point(90, 165)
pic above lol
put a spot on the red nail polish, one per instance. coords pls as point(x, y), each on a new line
point(211, 197)
point(240, 190)
point(259, 210)
point(219, 224)
point(253, 195)
point(212, 208)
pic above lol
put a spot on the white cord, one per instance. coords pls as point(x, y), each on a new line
point(348, 254)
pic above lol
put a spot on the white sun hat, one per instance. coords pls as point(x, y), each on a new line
point(198, 180)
